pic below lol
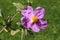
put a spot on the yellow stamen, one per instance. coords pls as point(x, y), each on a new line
point(34, 19)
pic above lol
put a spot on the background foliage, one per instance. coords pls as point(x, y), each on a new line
point(52, 32)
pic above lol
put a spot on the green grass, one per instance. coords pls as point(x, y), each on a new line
point(52, 32)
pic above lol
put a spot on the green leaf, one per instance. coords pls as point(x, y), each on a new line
point(3, 15)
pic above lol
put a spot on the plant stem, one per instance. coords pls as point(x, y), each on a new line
point(22, 34)
point(29, 2)
point(25, 32)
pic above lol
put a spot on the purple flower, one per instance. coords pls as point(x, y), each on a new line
point(33, 19)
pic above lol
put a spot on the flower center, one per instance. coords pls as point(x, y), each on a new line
point(34, 19)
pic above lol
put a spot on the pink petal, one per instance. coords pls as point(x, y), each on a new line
point(35, 28)
point(29, 24)
point(27, 11)
point(43, 24)
point(39, 12)
point(24, 22)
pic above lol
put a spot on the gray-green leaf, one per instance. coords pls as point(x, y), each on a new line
point(19, 6)
point(0, 13)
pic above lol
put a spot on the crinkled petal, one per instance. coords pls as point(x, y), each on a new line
point(30, 24)
point(35, 28)
point(43, 24)
point(24, 22)
point(39, 12)
point(27, 11)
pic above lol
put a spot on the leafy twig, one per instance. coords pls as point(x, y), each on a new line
point(14, 16)
point(3, 29)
